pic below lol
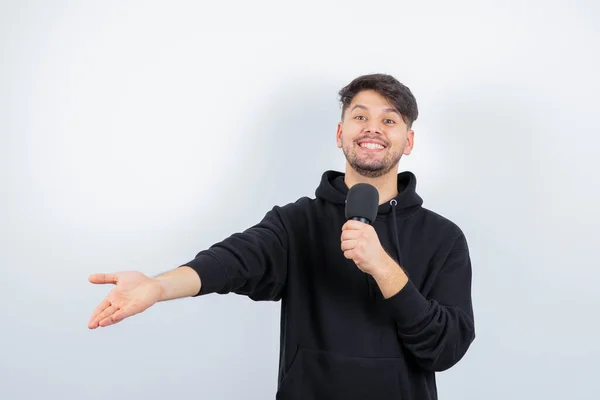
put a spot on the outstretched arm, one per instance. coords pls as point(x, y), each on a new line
point(252, 263)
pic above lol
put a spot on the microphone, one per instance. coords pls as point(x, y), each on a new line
point(362, 203)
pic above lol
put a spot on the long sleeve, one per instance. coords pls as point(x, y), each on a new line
point(252, 262)
point(438, 329)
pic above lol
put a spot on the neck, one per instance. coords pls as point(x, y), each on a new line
point(386, 185)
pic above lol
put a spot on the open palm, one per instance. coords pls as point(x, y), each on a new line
point(133, 293)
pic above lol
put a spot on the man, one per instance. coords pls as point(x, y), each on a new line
point(369, 311)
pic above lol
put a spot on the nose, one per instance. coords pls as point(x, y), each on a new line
point(373, 127)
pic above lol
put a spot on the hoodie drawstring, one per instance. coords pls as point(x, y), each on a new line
point(393, 203)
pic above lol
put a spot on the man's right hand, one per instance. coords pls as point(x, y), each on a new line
point(133, 293)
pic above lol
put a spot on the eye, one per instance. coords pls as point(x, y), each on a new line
point(389, 121)
point(360, 117)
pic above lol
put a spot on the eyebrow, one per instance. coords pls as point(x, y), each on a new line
point(385, 110)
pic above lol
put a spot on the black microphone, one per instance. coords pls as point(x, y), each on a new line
point(362, 203)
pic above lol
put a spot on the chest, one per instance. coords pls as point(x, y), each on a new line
point(321, 257)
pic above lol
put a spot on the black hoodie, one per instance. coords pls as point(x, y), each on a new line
point(340, 338)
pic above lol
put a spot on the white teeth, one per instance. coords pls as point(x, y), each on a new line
point(371, 145)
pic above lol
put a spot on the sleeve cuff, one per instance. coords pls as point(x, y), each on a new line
point(212, 274)
point(408, 305)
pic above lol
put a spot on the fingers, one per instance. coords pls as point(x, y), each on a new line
point(103, 278)
point(350, 235)
point(349, 244)
point(100, 310)
point(109, 320)
point(354, 225)
point(93, 322)
point(106, 313)
point(117, 316)
point(109, 315)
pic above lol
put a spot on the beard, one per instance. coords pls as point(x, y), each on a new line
point(371, 165)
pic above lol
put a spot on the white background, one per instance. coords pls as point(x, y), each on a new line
point(135, 134)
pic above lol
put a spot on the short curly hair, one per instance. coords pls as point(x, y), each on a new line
point(397, 94)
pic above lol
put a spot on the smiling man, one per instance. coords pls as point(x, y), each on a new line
point(375, 134)
point(368, 311)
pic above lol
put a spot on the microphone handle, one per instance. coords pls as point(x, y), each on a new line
point(361, 219)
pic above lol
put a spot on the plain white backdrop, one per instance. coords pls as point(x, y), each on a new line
point(135, 134)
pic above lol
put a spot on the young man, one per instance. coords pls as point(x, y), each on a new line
point(369, 311)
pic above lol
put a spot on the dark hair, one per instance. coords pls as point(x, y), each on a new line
point(397, 94)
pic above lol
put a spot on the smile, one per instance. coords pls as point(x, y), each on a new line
point(371, 146)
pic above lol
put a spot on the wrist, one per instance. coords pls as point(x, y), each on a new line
point(180, 282)
point(390, 278)
point(162, 289)
point(385, 268)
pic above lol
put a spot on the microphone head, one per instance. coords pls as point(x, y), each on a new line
point(362, 202)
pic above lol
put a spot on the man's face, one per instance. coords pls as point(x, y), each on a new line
point(373, 135)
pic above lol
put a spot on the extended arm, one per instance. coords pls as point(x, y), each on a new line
point(252, 263)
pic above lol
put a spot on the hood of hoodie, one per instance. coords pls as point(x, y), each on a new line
point(333, 189)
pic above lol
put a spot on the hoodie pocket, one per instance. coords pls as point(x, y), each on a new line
point(316, 375)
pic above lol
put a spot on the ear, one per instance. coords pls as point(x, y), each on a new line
point(338, 135)
point(410, 142)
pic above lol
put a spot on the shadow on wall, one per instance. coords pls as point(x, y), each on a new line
point(288, 147)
